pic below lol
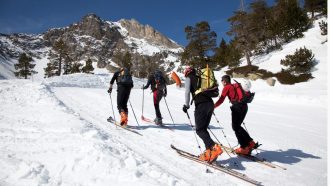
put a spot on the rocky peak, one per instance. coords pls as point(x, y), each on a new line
point(91, 25)
point(137, 30)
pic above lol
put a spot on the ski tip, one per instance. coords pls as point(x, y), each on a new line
point(172, 146)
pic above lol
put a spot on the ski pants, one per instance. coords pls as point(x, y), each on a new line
point(203, 115)
point(158, 95)
point(238, 113)
point(123, 93)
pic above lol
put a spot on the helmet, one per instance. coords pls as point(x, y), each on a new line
point(246, 85)
point(187, 71)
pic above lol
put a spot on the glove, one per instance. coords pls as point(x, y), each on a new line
point(185, 108)
point(109, 90)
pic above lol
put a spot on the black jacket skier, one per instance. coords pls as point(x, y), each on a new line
point(124, 81)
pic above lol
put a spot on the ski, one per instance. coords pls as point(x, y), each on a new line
point(216, 166)
point(150, 121)
point(254, 158)
point(128, 128)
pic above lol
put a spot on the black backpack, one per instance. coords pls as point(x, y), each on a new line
point(125, 77)
point(160, 82)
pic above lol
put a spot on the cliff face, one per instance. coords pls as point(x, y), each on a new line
point(90, 37)
point(137, 30)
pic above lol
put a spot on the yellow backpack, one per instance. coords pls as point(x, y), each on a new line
point(207, 83)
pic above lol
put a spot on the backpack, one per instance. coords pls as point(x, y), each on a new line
point(241, 95)
point(125, 77)
point(206, 83)
point(160, 82)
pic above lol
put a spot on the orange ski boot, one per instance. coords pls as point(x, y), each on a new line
point(215, 152)
point(243, 151)
point(124, 119)
point(206, 155)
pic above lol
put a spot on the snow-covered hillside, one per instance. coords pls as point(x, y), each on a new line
point(54, 131)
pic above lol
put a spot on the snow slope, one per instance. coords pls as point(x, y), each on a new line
point(54, 132)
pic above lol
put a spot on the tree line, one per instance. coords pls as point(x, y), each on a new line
point(259, 29)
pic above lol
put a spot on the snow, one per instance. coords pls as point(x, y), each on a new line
point(54, 131)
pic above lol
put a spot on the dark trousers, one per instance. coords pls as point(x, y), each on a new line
point(203, 115)
point(158, 95)
point(123, 93)
point(238, 113)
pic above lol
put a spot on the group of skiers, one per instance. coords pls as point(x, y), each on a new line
point(124, 81)
point(204, 106)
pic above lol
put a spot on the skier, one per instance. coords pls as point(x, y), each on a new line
point(204, 107)
point(238, 112)
point(158, 87)
point(124, 81)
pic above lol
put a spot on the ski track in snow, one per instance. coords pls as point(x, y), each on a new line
point(70, 142)
point(68, 150)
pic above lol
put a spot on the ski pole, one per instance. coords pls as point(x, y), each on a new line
point(133, 112)
point(169, 111)
point(249, 134)
point(142, 100)
point(222, 145)
point(222, 130)
point(113, 112)
point(192, 128)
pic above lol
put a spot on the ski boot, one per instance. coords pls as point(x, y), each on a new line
point(205, 156)
point(158, 121)
point(243, 150)
point(124, 119)
point(215, 152)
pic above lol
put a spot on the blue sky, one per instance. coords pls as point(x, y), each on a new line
point(170, 17)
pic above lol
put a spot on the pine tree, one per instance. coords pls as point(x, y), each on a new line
point(273, 30)
point(259, 20)
point(24, 66)
point(221, 54)
point(202, 42)
point(88, 68)
point(302, 61)
point(51, 69)
point(57, 57)
point(234, 54)
point(291, 19)
point(315, 6)
point(76, 67)
point(242, 31)
point(323, 27)
point(67, 65)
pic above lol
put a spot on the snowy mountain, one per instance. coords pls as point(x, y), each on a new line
point(90, 37)
point(54, 131)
